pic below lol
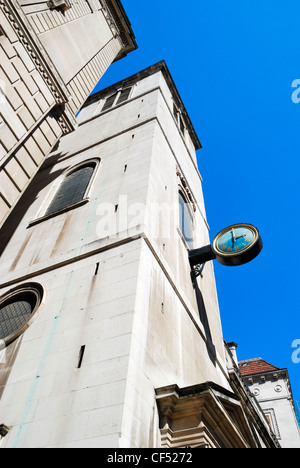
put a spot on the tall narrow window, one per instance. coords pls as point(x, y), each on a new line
point(73, 189)
point(124, 94)
point(117, 98)
point(185, 221)
point(109, 102)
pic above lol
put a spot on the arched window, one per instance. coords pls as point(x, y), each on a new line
point(72, 189)
point(185, 220)
point(16, 309)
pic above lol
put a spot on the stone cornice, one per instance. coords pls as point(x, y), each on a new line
point(120, 25)
point(264, 376)
point(203, 406)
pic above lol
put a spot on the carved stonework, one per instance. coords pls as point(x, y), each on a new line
point(109, 18)
point(17, 19)
point(202, 416)
point(186, 187)
point(63, 4)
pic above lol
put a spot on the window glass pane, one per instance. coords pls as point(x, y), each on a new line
point(185, 221)
point(72, 189)
point(124, 95)
point(109, 102)
point(14, 314)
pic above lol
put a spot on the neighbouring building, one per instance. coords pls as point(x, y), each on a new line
point(52, 55)
point(107, 340)
point(272, 388)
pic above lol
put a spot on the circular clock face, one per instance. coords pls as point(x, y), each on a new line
point(235, 239)
point(237, 244)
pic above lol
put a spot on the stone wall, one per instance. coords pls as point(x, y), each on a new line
point(50, 61)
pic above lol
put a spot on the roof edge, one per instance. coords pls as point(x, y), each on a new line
point(160, 66)
point(122, 21)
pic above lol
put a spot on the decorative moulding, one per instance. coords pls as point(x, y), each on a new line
point(27, 37)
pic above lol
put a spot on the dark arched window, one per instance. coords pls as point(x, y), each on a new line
point(185, 221)
point(14, 314)
point(16, 310)
point(72, 189)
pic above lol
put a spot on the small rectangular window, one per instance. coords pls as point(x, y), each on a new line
point(181, 124)
point(124, 95)
point(80, 357)
point(109, 102)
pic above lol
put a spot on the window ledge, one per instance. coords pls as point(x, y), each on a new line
point(59, 212)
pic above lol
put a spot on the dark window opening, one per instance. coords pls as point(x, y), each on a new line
point(72, 189)
point(109, 102)
point(116, 98)
point(181, 125)
point(80, 357)
point(15, 313)
point(124, 95)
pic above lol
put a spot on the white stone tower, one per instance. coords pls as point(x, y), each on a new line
point(112, 344)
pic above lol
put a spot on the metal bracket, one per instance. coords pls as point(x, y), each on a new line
point(197, 270)
point(200, 256)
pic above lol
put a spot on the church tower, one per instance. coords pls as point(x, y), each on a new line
point(106, 339)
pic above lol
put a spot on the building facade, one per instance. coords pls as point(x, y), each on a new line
point(272, 389)
point(52, 55)
point(114, 344)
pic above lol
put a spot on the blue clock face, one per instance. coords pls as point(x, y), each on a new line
point(234, 239)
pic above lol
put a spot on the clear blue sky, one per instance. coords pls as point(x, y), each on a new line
point(233, 63)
